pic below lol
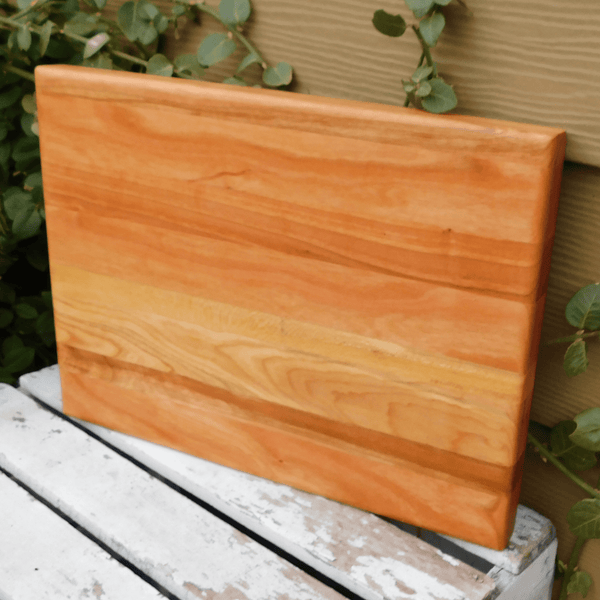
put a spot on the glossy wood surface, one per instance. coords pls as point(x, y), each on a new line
point(341, 296)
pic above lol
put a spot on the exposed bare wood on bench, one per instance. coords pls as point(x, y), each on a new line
point(42, 556)
point(179, 544)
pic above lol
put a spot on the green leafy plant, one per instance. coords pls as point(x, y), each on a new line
point(37, 32)
point(426, 88)
point(574, 445)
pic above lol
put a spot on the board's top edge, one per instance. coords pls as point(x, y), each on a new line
point(72, 80)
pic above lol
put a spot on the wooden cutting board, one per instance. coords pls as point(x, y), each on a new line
point(341, 296)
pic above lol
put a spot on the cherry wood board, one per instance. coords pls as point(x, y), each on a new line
point(340, 296)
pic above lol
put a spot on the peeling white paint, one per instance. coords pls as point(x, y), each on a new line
point(369, 570)
point(449, 559)
point(358, 542)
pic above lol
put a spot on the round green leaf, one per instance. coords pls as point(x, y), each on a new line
point(583, 310)
point(26, 149)
point(126, 20)
point(18, 359)
point(234, 12)
point(421, 73)
point(17, 202)
point(248, 60)
point(24, 37)
point(584, 519)
point(81, 24)
point(146, 32)
point(34, 180)
point(235, 81)
point(27, 122)
point(392, 25)
point(11, 343)
point(6, 317)
point(160, 65)
point(26, 311)
point(575, 457)
point(587, 434)
point(47, 298)
point(45, 34)
point(178, 10)
point(27, 223)
point(214, 48)
point(420, 7)
point(10, 97)
point(94, 44)
point(28, 104)
point(576, 361)
point(424, 89)
point(441, 99)
point(44, 327)
point(579, 583)
point(161, 23)
point(409, 87)
point(188, 63)
point(431, 27)
point(281, 74)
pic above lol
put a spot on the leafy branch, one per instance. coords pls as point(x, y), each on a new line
point(425, 89)
point(574, 445)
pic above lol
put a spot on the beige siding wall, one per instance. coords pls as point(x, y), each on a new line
point(534, 61)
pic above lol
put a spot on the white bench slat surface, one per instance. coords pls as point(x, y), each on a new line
point(48, 558)
point(189, 551)
point(350, 546)
point(364, 553)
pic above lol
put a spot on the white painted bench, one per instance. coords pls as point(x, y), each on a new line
point(89, 513)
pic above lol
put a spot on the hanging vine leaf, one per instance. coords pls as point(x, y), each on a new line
point(281, 74)
point(392, 25)
point(584, 519)
point(248, 60)
point(442, 97)
point(214, 48)
point(583, 310)
point(587, 434)
point(45, 34)
point(234, 12)
point(95, 43)
point(564, 447)
point(420, 7)
point(431, 27)
point(576, 361)
point(160, 65)
point(24, 37)
point(580, 583)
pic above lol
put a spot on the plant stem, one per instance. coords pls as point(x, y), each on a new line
point(561, 467)
point(571, 567)
point(215, 15)
point(426, 50)
point(572, 338)
point(21, 72)
point(133, 59)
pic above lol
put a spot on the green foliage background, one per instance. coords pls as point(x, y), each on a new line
point(75, 32)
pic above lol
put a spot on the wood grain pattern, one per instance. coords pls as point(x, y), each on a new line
point(507, 60)
point(341, 296)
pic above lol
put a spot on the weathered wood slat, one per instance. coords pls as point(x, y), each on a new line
point(42, 556)
point(336, 539)
point(174, 541)
point(277, 221)
point(362, 552)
